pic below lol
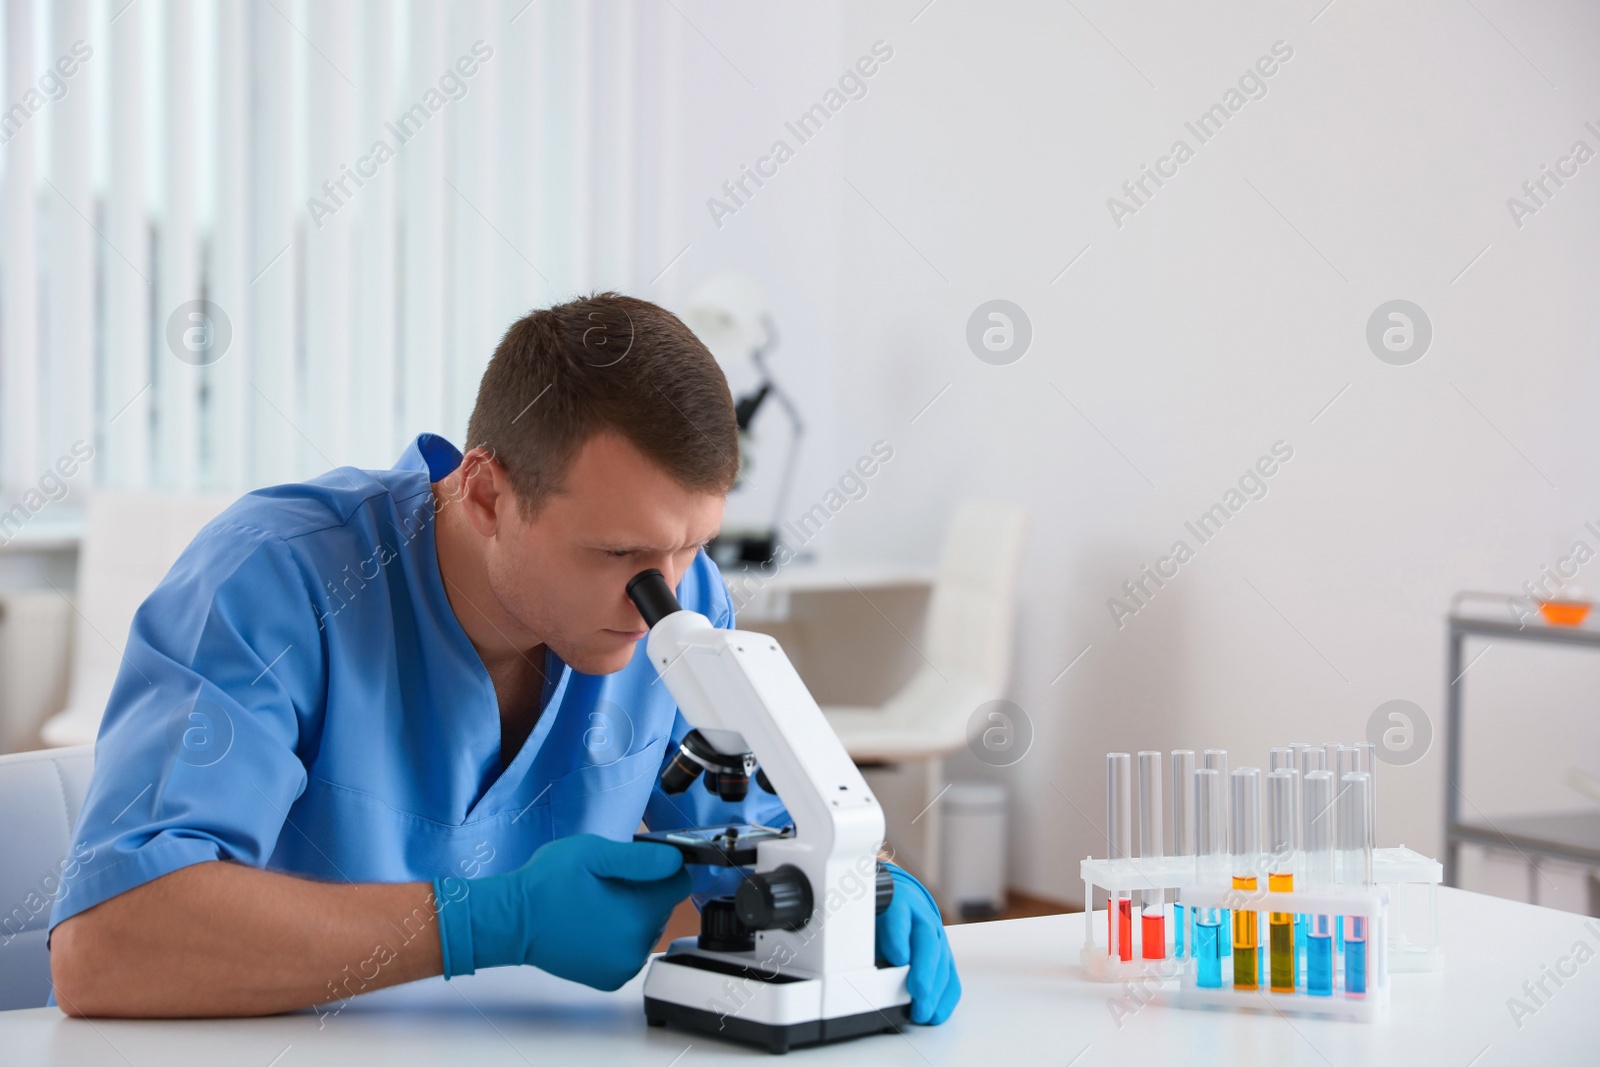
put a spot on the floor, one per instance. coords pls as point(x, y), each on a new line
point(685, 919)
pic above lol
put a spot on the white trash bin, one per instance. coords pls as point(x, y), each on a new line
point(973, 879)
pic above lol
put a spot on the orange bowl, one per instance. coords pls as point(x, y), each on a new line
point(1564, 612)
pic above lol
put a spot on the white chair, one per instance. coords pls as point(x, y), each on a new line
point(131, 540)
point(41, 794)
point(967, 647)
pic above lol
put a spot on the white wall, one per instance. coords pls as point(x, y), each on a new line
point(1223, 317)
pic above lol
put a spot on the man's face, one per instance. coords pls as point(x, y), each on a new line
point(563, 575)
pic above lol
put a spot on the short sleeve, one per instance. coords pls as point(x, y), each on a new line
point(695, 807)
point(197, 757)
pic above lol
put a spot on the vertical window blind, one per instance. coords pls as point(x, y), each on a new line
point(248, 240)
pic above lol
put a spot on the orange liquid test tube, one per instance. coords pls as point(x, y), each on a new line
point(1153, 940)
point(1119, 839)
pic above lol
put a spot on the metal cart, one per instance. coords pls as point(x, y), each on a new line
point(1570, 836)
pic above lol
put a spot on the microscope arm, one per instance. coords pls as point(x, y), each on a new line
point(738, 689)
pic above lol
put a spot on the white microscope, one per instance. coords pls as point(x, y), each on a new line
point(790, 958)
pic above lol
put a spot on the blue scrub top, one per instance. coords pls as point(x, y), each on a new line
point(297, 695)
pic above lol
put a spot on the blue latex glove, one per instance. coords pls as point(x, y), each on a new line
point(584, 907)
point(911, 930)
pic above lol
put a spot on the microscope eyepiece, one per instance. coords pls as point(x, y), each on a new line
point(652, 595)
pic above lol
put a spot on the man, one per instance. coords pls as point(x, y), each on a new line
point(384, 725)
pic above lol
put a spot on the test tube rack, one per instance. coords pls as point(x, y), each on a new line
point(1412, 880)
point(1102, 959)
point(1410, 877)
point(1384, 893)
point(1371, 903)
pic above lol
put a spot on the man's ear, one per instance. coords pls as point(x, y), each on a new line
point(484, 489)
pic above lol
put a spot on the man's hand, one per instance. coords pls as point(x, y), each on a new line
point(910, 930)
point(584, 908)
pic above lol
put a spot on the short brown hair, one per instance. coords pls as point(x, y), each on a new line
point(604, 361)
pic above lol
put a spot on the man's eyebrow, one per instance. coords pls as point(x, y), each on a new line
point(652, 548)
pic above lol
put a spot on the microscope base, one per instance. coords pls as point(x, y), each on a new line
point(776, 1012)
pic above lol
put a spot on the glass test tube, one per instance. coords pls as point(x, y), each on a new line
point(1209, 861)
point(1279, 758)
point(1284, 966)
point(1119, 848)
point(1348, 763)
point(1310, 760)
point(1343, 763)
point(1182, 834)
point(1367, 760)
point(1330, 763)
point(1152, 916)
point(1354, 824)
point(1217, 760)
point(1317, 833)
point(1245, 809)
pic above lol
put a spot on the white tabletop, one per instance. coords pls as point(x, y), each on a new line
point(1024, 1002)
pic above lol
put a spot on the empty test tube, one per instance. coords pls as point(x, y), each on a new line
point(1210, 861)
point(1245, 809)
point(1152, 916)
point(1278, 758)
point(1282, 800)
point(1367, 761)
point(1330, 759)
point(1119, 847)
point(1337, 763)
point(1354, 823)
point(1217, 760)
point(1317, 835)
point(1182, 790)
point(1348, 761)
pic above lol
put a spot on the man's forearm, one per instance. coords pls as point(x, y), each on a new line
point(224, 939)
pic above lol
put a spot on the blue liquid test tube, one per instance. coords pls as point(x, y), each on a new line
point(1310, 759)
point(1317, 834)
point(1211, 869)
point(1355, 820)
point(1217, 760)
point(1182, 835)
point(1336, 763)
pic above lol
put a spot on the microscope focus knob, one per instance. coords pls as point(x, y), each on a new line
point(775, 899)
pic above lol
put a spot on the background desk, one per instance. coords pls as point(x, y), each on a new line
point(853, 632)
point(1024, 1002)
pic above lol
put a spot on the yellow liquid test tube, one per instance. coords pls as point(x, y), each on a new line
point(1280, 939)
point(1282, 963)
point(1246, 943)
point(1246, 839)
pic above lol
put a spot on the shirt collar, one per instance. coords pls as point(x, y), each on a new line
point(432, 453)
